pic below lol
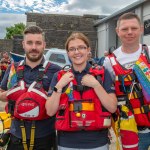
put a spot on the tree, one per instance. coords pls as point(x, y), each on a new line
point(17, 29)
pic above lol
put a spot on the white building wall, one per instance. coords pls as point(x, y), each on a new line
point(146, 16)
point(106, 31)
point(112, 36)
point(102, 32)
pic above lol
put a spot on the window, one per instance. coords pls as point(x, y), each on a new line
point(57, 58)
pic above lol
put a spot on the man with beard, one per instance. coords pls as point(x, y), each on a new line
point(31, 128)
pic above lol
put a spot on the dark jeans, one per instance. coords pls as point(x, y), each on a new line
point(44, 143)
point(144, 141)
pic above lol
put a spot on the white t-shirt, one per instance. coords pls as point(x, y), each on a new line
point(127, 60)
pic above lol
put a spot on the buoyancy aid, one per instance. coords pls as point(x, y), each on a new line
point(129, 92)
point(28, 103)
point(80, 108)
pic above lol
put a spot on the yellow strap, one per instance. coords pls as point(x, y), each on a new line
point(24, 140)
point(116, 131)
point(85, 106)
point(32, 136)
point(127, 78)
point(132, 95)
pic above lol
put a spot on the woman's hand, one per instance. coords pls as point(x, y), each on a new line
point(89, 80)
point(65, 79)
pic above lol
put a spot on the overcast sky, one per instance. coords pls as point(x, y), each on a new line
point(13, 11)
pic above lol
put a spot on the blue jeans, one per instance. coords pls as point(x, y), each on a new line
point(144, 141)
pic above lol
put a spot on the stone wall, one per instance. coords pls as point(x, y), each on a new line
point(17, 44)
point(58, 27)
point(6, 45)
point(14, 45)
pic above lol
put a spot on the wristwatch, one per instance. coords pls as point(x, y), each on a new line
point(57, 90)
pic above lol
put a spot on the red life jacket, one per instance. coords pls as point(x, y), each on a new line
point(129, 92)
point(28, 103)
point(80, 108)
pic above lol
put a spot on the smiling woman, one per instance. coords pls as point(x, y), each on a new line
point(78, 103)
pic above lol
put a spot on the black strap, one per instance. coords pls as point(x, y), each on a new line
point(20, 70)
point(80, 88)
point(130, 77)
point(42, 71)
point(145, 109)
point(40, 74)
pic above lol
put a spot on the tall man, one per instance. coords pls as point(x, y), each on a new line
point(121, 64)
point(30, 127)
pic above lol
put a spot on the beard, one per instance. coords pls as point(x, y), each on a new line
point(34, 58)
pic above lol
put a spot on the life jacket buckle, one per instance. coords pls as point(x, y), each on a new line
point(77, 106)
point(79, 88)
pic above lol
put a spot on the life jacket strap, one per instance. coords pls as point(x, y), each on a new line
point(80, 88)
point(135, 94)
point(32, 136)
point(24, 139)
point(128, 77)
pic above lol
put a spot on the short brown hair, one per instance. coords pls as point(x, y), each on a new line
point(34, 30)
point(77, 35)
point(129, 15)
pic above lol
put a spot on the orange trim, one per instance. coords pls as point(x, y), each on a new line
point(85, 106)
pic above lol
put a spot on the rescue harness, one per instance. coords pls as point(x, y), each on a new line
point(28, 102)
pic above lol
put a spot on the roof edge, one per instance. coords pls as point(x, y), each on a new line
point(126, 9)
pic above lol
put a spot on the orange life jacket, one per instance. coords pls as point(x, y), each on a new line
point(80, 108)
point(28, 103)
point(129, 92)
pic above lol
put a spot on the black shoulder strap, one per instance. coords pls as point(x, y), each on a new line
point(43, 70)
point(20, 69)
point(111, 49)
